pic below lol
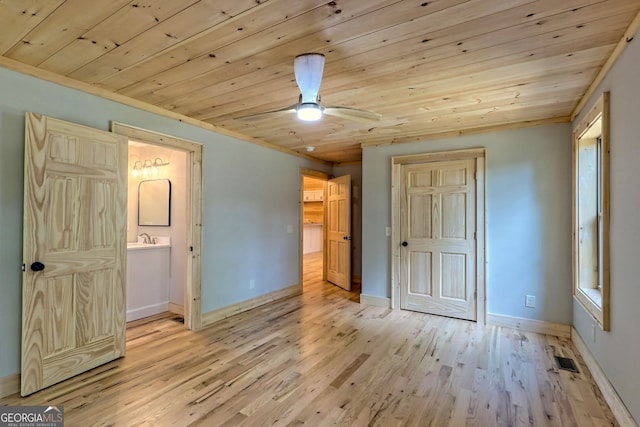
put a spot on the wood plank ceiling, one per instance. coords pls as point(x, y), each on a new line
point(428, 67)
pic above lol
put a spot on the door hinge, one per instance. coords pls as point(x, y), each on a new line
point(190, 248)
point(475, 235)
point(24, 267)
point(475, 175)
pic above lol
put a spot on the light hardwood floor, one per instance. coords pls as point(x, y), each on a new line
point(323, 359)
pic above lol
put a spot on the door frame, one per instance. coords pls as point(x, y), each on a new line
point(193, 287)
point(310, 173)
point(479, 154)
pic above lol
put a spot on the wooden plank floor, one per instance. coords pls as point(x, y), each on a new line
point(323, 359)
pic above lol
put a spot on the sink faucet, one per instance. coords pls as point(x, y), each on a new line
point(145, 237)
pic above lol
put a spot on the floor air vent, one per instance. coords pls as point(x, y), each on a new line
point(566, 363)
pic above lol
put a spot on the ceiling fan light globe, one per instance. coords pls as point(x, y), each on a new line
point(309, 112)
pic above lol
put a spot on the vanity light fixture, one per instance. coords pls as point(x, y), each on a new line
point(148, 167)
point(158, 163)
point(137, 169)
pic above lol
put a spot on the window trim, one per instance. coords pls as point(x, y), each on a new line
point(587, 128)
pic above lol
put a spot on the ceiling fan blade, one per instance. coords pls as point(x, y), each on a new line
point(353, 114)
point(258, 116)
point(308, 69)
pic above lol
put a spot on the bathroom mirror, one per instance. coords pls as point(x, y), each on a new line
point(154, 202)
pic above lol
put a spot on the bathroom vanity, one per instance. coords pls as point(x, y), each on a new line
point(148, 272)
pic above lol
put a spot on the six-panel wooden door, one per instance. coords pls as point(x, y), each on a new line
point(437, 257)
point(73, 300)
point(339, 231)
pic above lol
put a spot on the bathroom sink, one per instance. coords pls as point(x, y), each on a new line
point(137, 245)
point(140, 245)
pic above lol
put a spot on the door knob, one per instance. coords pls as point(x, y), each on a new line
point(405, 244)
point(37, 266)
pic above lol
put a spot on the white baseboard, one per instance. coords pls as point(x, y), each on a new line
point(530, 325)
point(9, 385)
point(223, 313)
point(149, 310)
point(375, 300)
point(616, 404)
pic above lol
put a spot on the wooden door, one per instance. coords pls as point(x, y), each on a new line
point(75, 202)
point(437, 234)
point(339, 231)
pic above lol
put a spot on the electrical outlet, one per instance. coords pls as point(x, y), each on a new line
point(530, 301)
point(252, 284)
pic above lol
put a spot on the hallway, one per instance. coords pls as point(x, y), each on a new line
point(312, 279)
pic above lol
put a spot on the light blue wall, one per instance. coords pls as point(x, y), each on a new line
point(251, 195)
point(528, 217)
point(617, 350)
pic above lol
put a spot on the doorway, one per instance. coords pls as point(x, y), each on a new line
point(74, 314)
point(325, 229)
point(313, 228)
point(159, 241)
point(191, 211)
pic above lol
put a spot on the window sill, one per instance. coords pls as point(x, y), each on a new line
point(591, 301)
point(595, 295)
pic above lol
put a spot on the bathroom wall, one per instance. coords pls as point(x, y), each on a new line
point(176, 172)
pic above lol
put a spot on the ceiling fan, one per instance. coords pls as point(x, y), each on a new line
point(308, 69)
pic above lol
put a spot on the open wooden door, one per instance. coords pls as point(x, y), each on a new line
point(73, 296)
point(339, 231)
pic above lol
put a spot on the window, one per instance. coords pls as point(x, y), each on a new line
point(591, 212)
